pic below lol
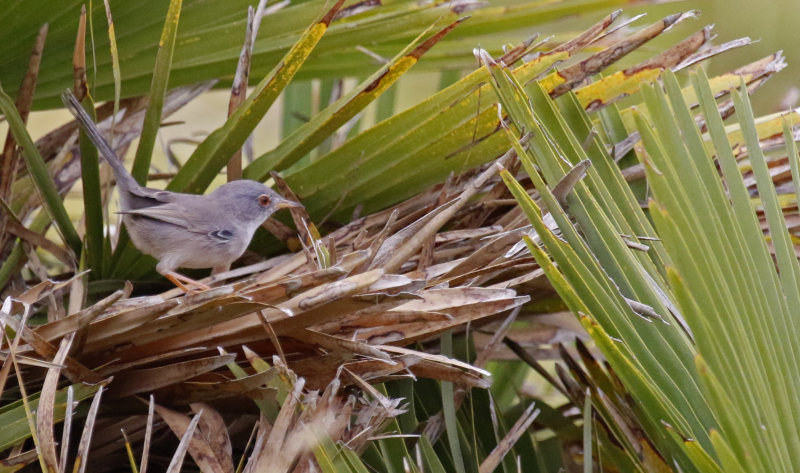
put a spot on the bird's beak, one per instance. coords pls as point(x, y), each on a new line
point(289, 204)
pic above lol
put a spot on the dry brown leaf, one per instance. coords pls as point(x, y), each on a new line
point(45, 411)
point(198, 446)
point(147, 380)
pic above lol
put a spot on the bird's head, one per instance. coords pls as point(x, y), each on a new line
point(250, 202)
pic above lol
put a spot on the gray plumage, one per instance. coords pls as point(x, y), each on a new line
point(185, 230)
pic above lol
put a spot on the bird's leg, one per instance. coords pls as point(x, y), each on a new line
point(220, 269)
point(178, 280)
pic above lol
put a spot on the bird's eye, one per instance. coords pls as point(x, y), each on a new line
point(264, 200)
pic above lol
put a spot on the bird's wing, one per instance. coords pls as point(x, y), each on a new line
point(190, 217)
point(166, 213)
point(155, 194)
point(222, 236)
point(176, 215)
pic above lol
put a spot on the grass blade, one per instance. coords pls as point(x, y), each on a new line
point(86, 436)
point(24, 101)
point(180, 452)
point(152, 117)
point(90, 165)
point(587, 434)
point(241, 79)
point(449, 409)
point(45, 415)
point(148, 435)
point(39, 172)
point(62, 462)
point(112, 43)
point(507, 443)
point(215, 151)
point(325, 123)
point(29, 412)
point(129, 450)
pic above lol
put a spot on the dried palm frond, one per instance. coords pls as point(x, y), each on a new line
point(342, 318)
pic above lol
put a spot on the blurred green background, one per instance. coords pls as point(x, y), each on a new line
point(773, 24)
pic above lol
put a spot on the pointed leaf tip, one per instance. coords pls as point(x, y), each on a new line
point(326, 20)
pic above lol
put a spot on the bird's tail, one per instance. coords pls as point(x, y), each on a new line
point(120, 173)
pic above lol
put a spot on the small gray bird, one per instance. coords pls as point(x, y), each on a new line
point(185, 230)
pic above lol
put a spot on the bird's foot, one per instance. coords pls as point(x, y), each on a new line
point(179, 280)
